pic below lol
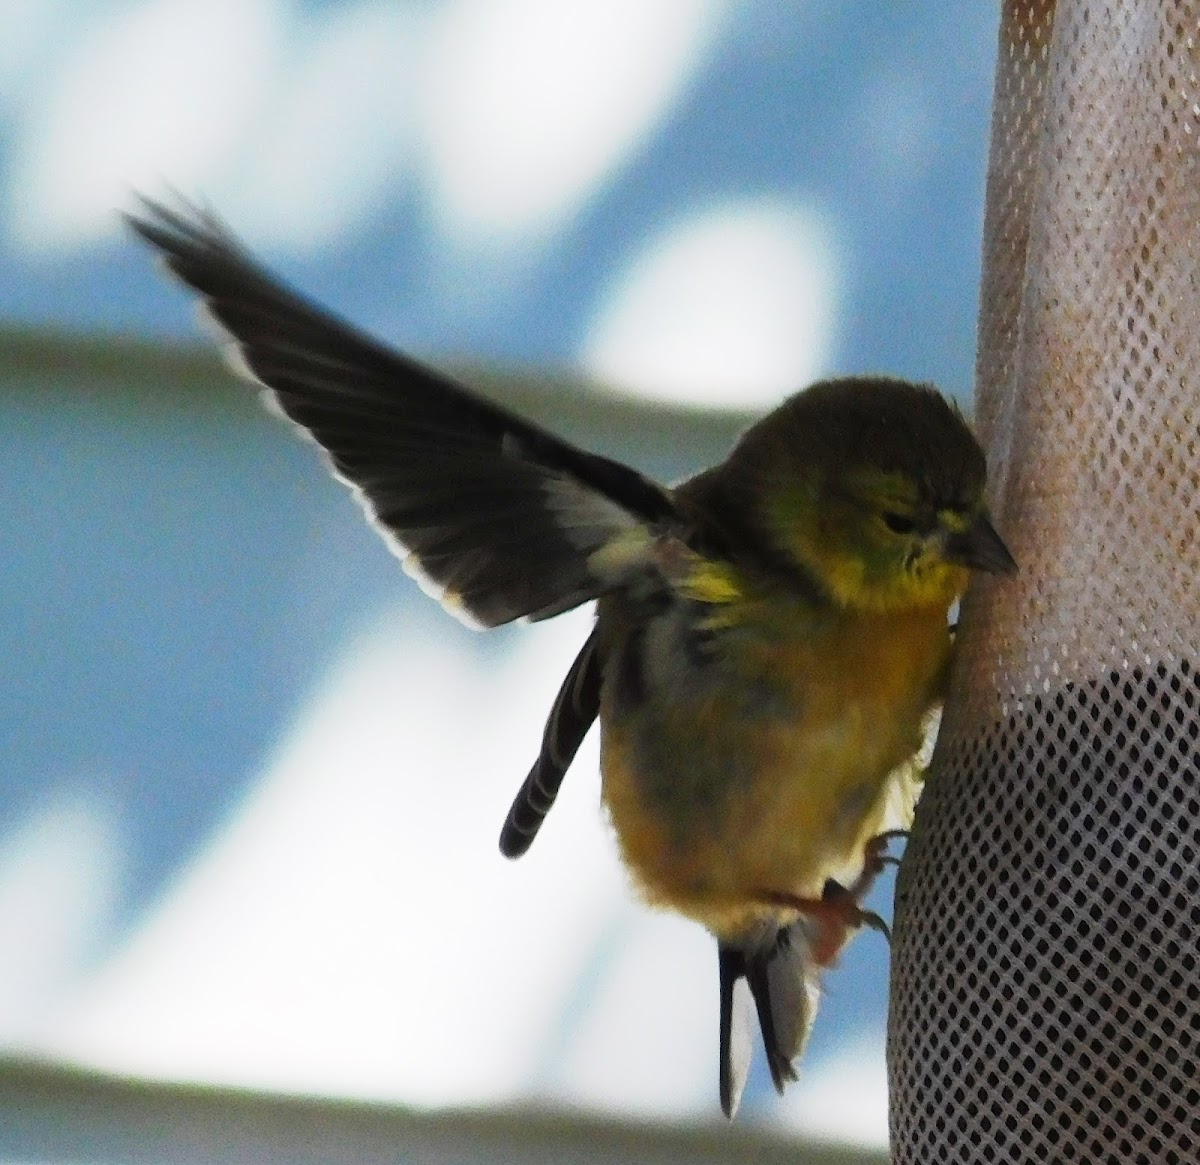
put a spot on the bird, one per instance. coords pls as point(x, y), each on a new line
point(771, 635)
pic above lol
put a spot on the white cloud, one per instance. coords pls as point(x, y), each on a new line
point(61, 873)
point(733, 306)
point(843, 1098)
point(296, 129)
point(531, 103)
point(159, 93)
point(336, 138)
point(356, 931)
point(646, 1039)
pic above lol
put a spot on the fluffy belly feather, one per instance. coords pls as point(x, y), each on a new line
point(774, 777)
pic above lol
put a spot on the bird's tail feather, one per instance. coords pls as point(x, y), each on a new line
point(771, 974)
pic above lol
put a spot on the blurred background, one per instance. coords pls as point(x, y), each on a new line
point(251, 780)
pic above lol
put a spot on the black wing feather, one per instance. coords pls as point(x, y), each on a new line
point(497, 513)
point(575, 707)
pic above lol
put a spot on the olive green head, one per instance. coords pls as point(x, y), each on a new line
point(874, 486)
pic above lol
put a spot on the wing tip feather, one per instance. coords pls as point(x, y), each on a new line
point(451, 601)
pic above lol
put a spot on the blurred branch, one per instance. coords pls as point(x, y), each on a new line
point(60, 1115)
point(168, 372)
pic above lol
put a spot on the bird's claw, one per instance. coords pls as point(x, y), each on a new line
point(854, 915)
point(875, 922)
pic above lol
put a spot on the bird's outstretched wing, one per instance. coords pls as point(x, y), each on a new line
point(496, 516)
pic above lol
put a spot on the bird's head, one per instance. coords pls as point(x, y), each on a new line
point(874, 486)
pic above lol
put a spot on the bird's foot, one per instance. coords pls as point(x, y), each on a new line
point(836, 892)
point(834, 916)
point(839, 911)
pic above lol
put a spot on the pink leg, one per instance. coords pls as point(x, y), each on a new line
point(838, 911)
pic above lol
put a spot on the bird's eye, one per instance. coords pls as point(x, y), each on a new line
point(899, 524)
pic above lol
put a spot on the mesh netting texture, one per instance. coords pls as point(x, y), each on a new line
point(1046, 966)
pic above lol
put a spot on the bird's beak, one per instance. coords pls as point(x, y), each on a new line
point(981, 548)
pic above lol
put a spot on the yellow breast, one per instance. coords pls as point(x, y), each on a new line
point(772, 776)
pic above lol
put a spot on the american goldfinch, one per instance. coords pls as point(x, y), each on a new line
point(771, 635)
